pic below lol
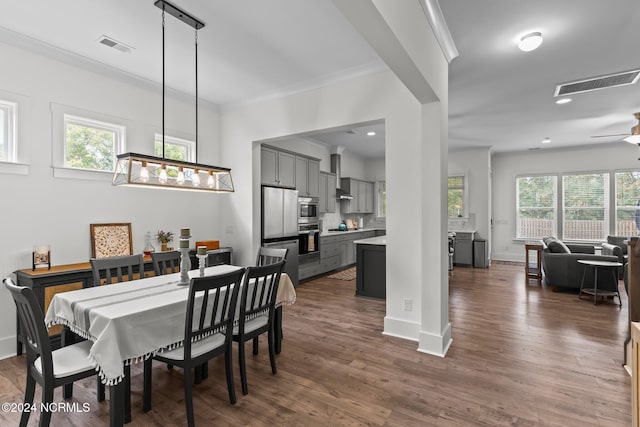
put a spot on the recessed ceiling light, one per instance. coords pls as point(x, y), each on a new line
point(530, 41)
point(371, 133)
point(563, 101)
point(546, 140)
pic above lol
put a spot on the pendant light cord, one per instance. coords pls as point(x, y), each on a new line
point(196, 148)
point(163, 80)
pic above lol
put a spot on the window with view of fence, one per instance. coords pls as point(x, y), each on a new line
point(536, 215)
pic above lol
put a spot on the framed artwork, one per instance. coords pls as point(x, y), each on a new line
point(109, 240)
point(41, 257)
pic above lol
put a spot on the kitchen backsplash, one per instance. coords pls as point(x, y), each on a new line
point(463, 223)
point(333, 219)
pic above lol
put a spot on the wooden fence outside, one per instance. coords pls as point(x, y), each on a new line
point(575, 229)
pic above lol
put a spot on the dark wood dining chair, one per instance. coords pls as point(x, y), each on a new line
point(208, 333)
point(50, 369)
point(165, 262)
point(257, 312)
point(270, 255)
point(116, 269)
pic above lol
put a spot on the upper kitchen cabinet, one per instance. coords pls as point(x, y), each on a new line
point(327, 192)
point(307, 176)
point(277, 167)
point(362, 192)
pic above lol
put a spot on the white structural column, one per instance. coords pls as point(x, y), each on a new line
point(416, 167)
point(435, 330)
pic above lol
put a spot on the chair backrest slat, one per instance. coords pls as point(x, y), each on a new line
point(165, 262)
point(204, 298)
point(262, 280)
point(268, 256)
point(113, 267)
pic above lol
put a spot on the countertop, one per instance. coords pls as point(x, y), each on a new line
point(359, 230)
point(379, 240)
point(463, 231)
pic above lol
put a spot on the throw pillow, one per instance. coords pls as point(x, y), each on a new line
point(557, 246)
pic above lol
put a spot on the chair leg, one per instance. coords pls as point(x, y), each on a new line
point(255, 345)
point(228, 365)
point(197, 374)
point(67, 391)
point(146, 388)
point(272, 353)
point(28, 398)
point(188, 396)
point(47, 398)
point(205, 370)
point(243, 368)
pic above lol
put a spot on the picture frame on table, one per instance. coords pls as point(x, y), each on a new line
point(111, 239)
point(41, 257)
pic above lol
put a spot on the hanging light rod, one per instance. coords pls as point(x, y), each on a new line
point(180, 14)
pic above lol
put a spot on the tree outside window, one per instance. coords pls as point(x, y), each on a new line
point(90, 144)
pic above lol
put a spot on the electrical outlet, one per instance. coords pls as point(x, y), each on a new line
point(228, 229)
point(408, 304)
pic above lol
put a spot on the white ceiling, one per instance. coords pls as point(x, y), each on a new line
point(500, 97)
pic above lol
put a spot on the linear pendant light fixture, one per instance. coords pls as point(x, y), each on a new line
point(141, 170)
point(634, 138)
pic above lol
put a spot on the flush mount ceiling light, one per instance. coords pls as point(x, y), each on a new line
point(634, 138)
point(546, 140)
point(371, 133)
point(530, 41)
point(140, 170)
point(563, 101)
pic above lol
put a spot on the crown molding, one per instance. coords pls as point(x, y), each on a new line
point(432, 11)
point(39, 47)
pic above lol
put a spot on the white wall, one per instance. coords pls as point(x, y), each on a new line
point(476, 165)
point(41, 209)
point(506, 166)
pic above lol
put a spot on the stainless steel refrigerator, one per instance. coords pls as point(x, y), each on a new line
point(280, 225)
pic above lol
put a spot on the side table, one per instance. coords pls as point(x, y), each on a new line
point(611, 266)
point(533, 271)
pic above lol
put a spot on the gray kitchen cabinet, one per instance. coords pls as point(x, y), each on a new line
point(327, 192)
point(362, 192)
point(463, 249)
point(307, 177)
point(277, 167)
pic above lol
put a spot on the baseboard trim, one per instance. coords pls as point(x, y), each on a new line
point(7, 347)
point(401, 328)
point(436, 345)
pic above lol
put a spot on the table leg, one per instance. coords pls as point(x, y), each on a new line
point(127, 394)
point(584, 273)
point(278, 330)
point(595, 285)
point(116, 404)
point(615, 280)
point(66, 338)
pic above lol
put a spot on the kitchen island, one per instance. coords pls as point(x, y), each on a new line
point(371, 269)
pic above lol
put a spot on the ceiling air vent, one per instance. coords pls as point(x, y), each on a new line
point(108, 41)
point(595, 83)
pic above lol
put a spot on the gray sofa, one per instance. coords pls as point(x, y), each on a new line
point(617, 247)
point(562, 270)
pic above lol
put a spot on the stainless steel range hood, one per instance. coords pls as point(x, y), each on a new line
point(335, 168)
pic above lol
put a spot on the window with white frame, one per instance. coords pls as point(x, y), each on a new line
point(585, 206)
point(536, 211)
point(91, 144)
point(627, 203)
point(456, 196)
point(381, 193)
point(175, 148)
point(8, 126)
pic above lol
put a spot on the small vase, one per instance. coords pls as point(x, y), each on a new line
point(163, 246)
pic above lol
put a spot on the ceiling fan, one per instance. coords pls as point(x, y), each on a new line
point(633, 137)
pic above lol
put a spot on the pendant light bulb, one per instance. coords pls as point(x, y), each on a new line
point(210, 180)
point(163, 174)
point(196, 178)
point(180, 179)
point(144, 172)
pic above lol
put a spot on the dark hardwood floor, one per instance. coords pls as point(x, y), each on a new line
point(521, 356)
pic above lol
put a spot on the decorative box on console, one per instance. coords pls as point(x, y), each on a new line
point(210, 244)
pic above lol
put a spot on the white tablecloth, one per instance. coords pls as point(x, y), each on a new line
point(131, 321)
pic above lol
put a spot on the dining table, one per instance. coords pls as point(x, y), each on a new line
point(129, 322)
